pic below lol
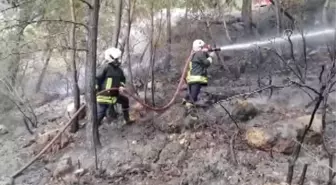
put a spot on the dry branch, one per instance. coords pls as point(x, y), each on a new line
point(44, 20)
point(252, 92)
point(285, 12)
point(303, 175)
point(231, 117)
point(297, 150)
point(87, 3)
point(17, 173)
point(232, 143)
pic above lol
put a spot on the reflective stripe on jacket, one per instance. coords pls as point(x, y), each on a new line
point(197, 72)
point(109, 76)
point(106, 99)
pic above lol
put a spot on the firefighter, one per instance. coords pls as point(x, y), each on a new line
point(110, 75)
point(197, 74)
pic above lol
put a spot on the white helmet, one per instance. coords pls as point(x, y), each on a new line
point(112, 54)
point(198, 44)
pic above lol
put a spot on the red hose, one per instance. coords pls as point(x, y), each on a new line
point(165, 107)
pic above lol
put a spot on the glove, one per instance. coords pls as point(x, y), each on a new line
point(212, 54)
point(121, 89)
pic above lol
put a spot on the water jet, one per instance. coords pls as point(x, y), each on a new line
point(328, 34)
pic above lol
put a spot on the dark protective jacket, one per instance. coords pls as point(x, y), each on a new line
point(197, 72)
point(109, 76)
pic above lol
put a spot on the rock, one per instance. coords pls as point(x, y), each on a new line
point(3, 130)
point(292, 128)
point(260, 138)
point(282, 135)
point(244, 111)
point(63, 168)
point(80, 172)
point(316, 126)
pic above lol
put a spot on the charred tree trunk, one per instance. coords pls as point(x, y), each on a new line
point(129, 25)
point(221, 12)
point(246, 15)
point(116, 30)
point(44, 70)
point(90, 70)
point(15, 59)
point(152, 51)
point(74, 126)
point(169, 36)
point(325, 12)
point(278, 16)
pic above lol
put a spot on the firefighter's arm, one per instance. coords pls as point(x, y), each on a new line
point(205, 58)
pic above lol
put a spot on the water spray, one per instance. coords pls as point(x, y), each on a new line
point(326, 33)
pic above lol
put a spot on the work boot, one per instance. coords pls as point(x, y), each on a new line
point(184, 101)
point(127, 119)
point(190, 111)
point(112, 112)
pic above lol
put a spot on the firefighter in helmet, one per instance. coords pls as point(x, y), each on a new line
point(197, 74)
point(110, 75)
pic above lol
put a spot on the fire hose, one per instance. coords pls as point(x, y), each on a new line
point(157, 109)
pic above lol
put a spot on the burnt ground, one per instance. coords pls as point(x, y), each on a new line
point(171, 149)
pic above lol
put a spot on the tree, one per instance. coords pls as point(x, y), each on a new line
point(48, 54)
point(325, 12)
point(246, 15)
point(76, 94)
point(152, 60)
point(127, 42)
point(90, 70)
point(278, 16)
point(169, 35)
point(118, 15)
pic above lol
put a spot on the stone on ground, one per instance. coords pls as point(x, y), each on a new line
point(3, 130)
point(283, 135)
point(316, 126)
point(260, 138)
point(63, 168)
point(244, 111)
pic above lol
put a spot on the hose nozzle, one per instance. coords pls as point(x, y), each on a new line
point(211, 49)
point(214, 49)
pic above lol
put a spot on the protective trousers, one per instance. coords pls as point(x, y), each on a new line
point(193, 92)
point(103, 108)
